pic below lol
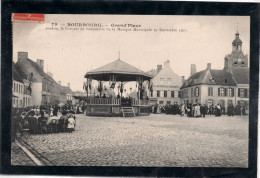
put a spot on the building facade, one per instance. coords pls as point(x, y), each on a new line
point(45, 90)
point(66, 94)
point(166, 85)
point(21, 89)
point(227, 86)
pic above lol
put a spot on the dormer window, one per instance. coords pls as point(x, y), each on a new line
point(212, 80)
point(225, 81)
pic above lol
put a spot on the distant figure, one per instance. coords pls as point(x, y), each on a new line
point(217, 110)
point(182, 110)
point(230, 110)
point(155, 108)
point(71, 124)
point(197, 111)
point(243, 111)
point(203, 110)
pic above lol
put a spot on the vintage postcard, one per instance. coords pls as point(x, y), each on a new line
point(130, 90)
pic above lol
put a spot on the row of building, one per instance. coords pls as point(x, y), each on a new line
point(34, 87)
point(209, 86)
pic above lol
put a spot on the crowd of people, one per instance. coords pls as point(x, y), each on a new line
point(198, 110)
point(45, 119)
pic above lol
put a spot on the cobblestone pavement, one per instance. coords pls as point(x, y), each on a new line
point(155, 140)
point(19, 158)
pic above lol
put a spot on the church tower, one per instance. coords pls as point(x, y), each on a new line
point(236, 59)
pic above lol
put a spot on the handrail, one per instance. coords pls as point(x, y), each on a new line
point(105, 101)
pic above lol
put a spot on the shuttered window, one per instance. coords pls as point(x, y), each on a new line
point(158, 93)
point(221, 92)
point(229, 92)
point(172, 94)
point(165, 94)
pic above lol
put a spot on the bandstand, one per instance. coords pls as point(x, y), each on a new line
point(117, 73)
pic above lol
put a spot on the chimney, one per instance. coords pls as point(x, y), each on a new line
point(59, 82)
point(208, 66)
point(22, 55)
point(192, 69)
point(69, 85)
point(159, 68)
point(40, 63)
point(167, 63)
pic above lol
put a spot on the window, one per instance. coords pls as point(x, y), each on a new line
point(172, 94)
point(221, 92)
point(196, 91)
point(241, 92)
point(151, 94)
point(158, 93)
point(225, 81)
point(168, 102)
point(165, 94)
point(160, 102)
point(235, 63)
point(179, 94)
point(161, 79)
point(210, 91)
point(191, 93)
point(229, 92)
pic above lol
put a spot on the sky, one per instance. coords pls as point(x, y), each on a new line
point(69, 54)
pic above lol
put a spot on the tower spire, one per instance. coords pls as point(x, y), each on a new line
point(118, 55)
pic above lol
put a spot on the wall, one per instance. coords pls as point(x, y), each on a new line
point(36, 93)
point(17, 101)
point(203, 97)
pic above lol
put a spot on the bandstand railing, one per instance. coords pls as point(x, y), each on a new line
point(137, 102)
point(108, 101)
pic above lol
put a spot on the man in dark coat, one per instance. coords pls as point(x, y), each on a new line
point(203, 110)
point(230, 110)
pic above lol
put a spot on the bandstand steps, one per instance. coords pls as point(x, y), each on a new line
point(128, 111)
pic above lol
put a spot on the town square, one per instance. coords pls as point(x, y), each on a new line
point(132, 97)
point(158, 140)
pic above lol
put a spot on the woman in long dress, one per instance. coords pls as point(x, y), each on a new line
point(197, 111)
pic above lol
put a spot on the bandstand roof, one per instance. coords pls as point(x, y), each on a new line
point(123, 71)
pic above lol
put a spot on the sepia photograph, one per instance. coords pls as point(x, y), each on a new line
point(130, 90)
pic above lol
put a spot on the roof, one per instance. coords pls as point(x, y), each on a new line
point(241, 75)
point(165, 73)
point(237, 40)
point(152, 72)
point(40, 70)
point(67, 90)
point(18, 74)
point(127, 72)
point(210, 77)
